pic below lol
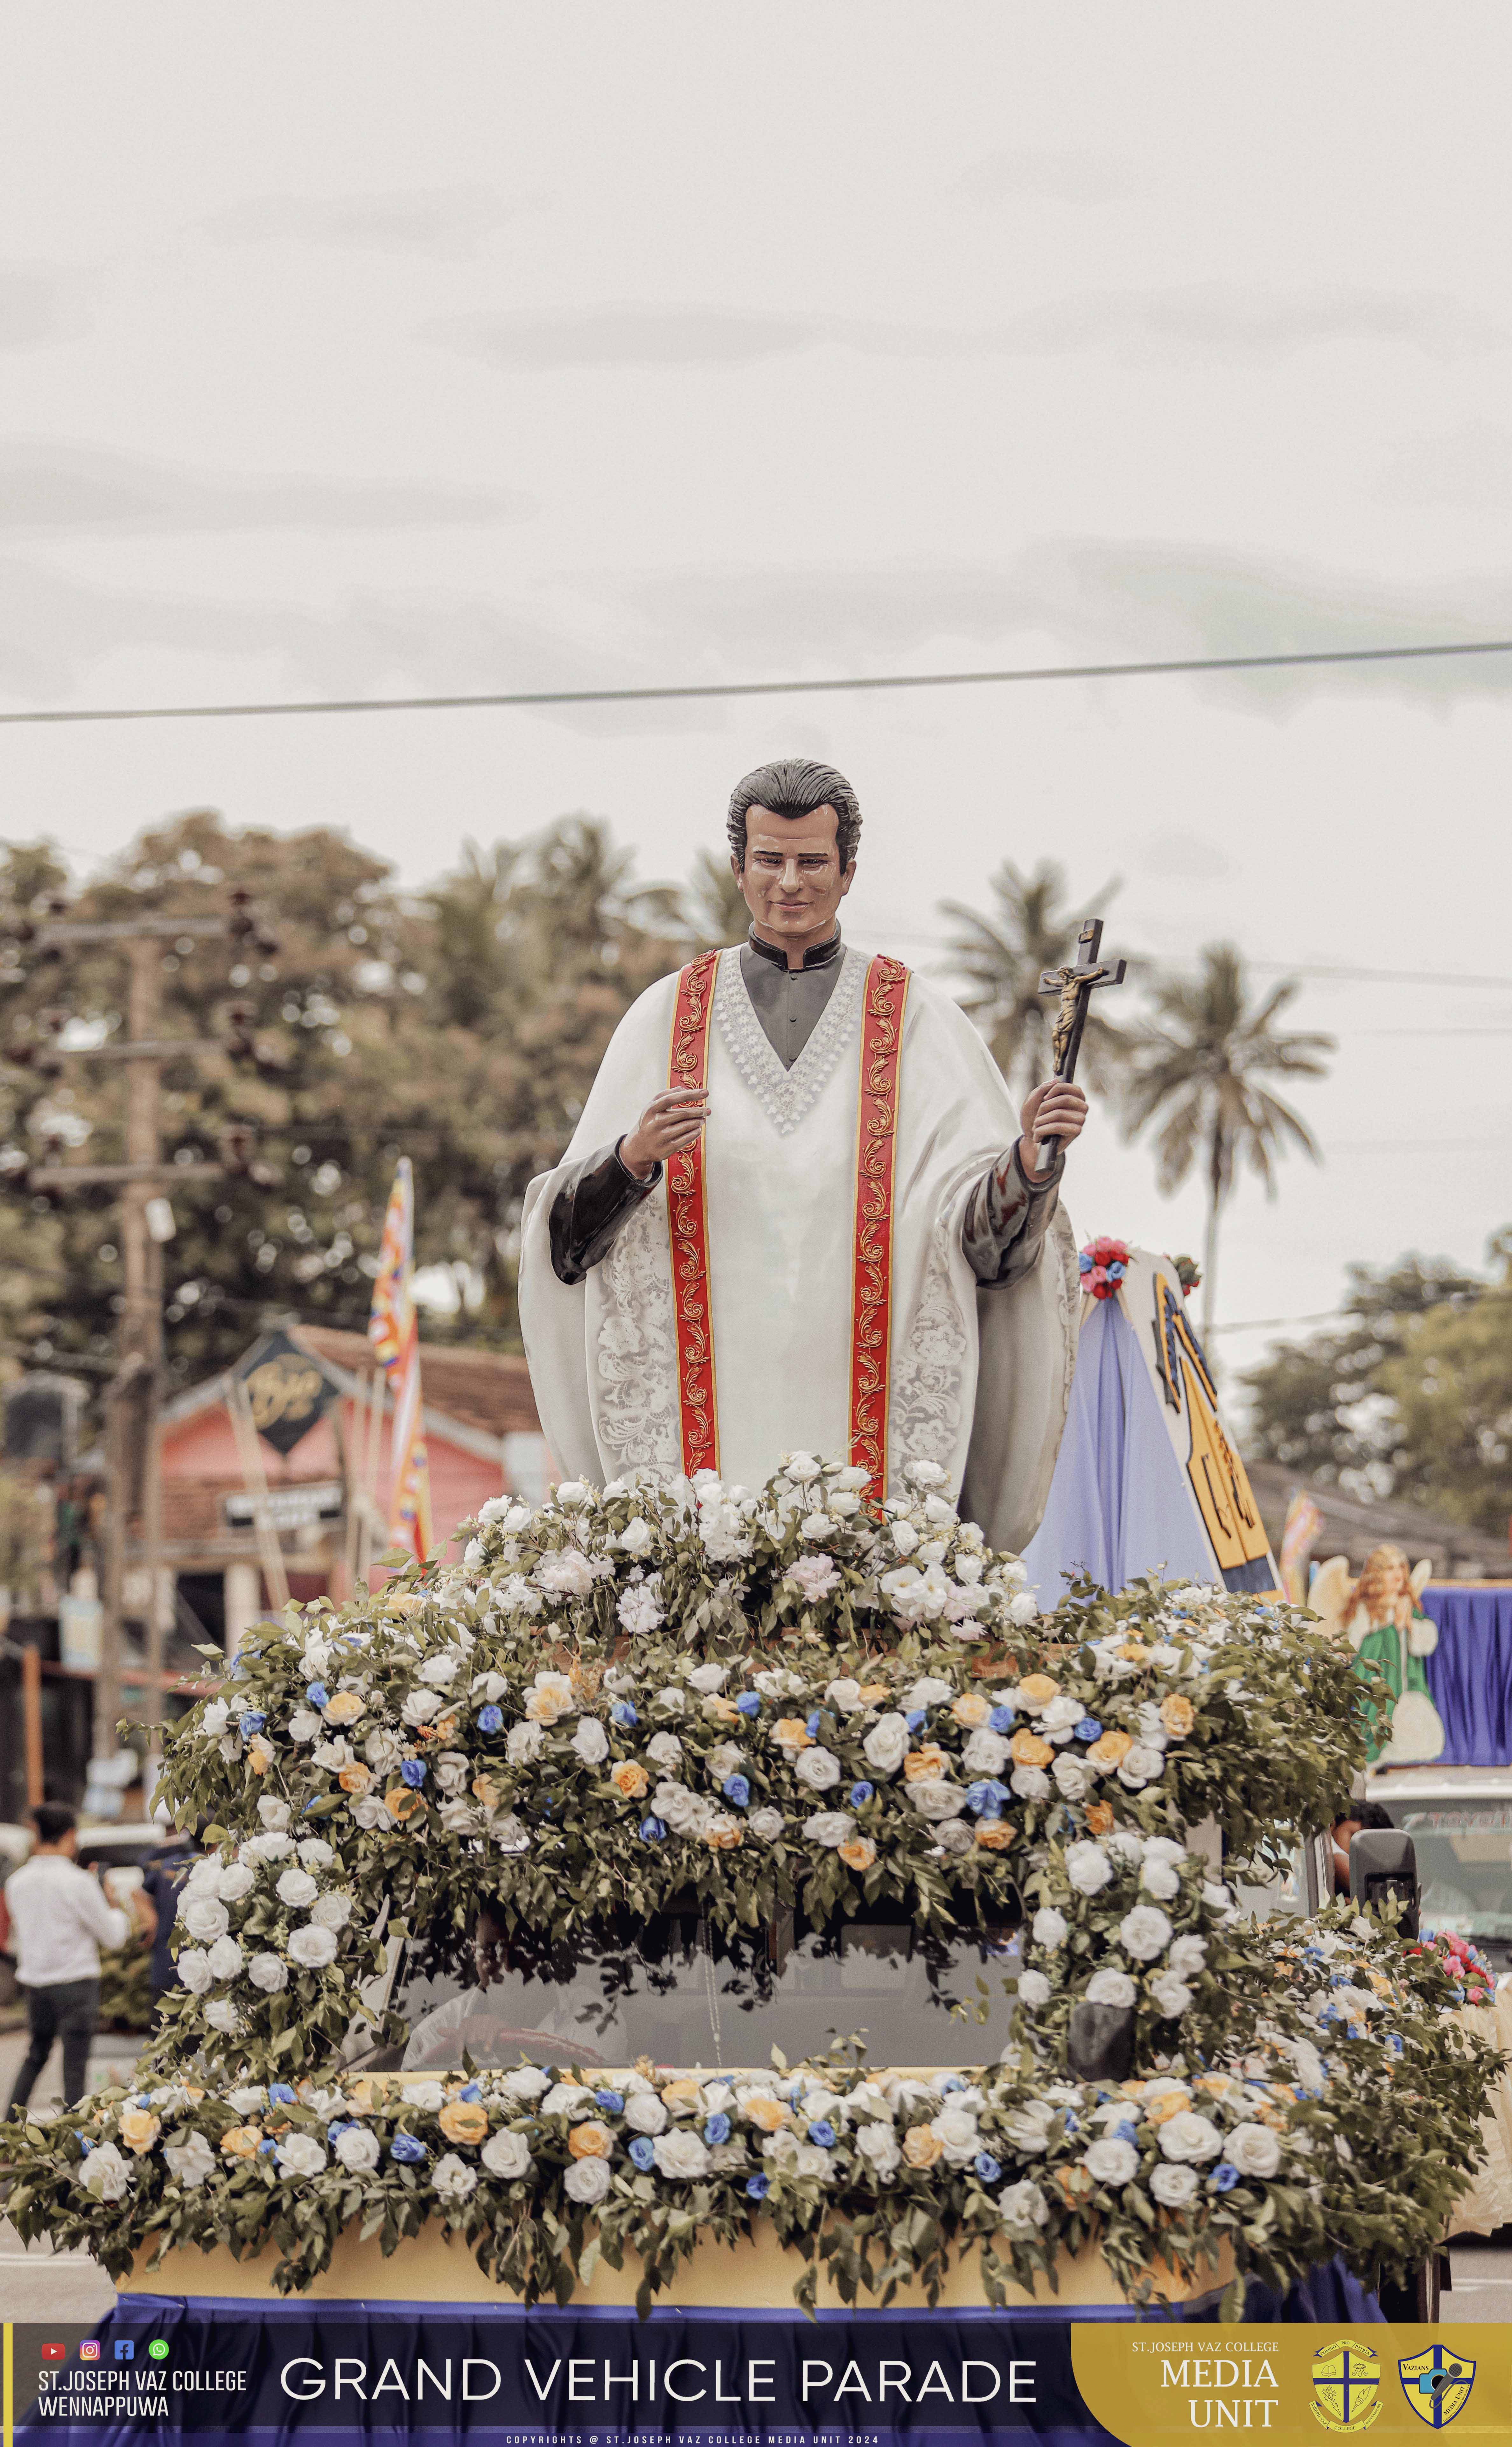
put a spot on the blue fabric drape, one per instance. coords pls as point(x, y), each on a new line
point(1470, 1674)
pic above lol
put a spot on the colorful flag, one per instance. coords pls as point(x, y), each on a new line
point(394, 1333)
point(1303, 1522)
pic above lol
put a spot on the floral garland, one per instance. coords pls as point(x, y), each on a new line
point(1102, 1265)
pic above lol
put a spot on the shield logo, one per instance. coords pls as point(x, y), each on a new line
point(1346, 2386)
point(1437, 2383)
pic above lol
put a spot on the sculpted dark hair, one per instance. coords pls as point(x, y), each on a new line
point(793, 786)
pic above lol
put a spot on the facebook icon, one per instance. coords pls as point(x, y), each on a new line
point(126, 2349)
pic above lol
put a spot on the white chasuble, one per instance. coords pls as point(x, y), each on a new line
point(978, 1379)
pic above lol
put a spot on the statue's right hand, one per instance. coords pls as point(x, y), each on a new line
point(670, 1123)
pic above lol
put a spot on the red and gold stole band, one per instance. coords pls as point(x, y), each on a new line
point(687, 1223)
point(872, 1273)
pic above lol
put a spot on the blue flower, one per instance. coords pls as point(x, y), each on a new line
point(612, 2101)
point(1070, 2119)
point(654, 1830)
point(736, 1789)
point(490, 1719)
point(1088, 1730)
point(642, 2153)
point(953, 2081)
point(473, 2091)
point(860, 1794)
point(1117, 1271)
point(716, 2130)
point(281, 2094)
point(409, 2152)
point(1084, 1263)
point(986, 2167)
point(318, 1694)
point(757, 2187)
point(1001, 1719)
point(88, 2144)
point(914, 1717)
point(981, 1799)
point(750, 1703)
point(821, 2134)
point(1126, 2131)
point(623, 1714)
point(1223, 2178)
point(252, 1720)
point(814, 1721)
point(412, 1772)
point(265, 2147)
point(337, 2125)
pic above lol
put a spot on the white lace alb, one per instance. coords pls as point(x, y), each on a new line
point(787, 1096)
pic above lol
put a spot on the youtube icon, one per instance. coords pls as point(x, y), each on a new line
point(54, 2353)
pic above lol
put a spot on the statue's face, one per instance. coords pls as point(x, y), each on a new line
point(792, 881)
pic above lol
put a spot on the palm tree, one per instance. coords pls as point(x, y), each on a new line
point(1197, 1063)
point(714, 910)
point(1003, 954)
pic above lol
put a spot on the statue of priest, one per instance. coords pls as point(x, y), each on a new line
point(800, 1214)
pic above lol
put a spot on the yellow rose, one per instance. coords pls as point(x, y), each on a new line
point(873, 1694)
point(355, 1778)
point(994, 1834)
point(403, 1805)
point(858, 1853)
point(1074, 2182)
point(589, 2140)
point(241, 2141)
point(463, 2119)
point(1177, 1715)
point(365, 2095)
point(1039, 1690)
point(727, 1838)
point(920, 2146)
point(1168, 2103)
point(1099, 1818)
point(971, 1709)
point(791, 1734)
point(259, 1755)
point(344, 1707)
point(1110, 1748)
point(545, 1705)
point(928, 1760)
point(681, 2096)
point(486, 1790)
point(723, 1711)
point(769, 2115)
point(629, 1780)
point(445, 1728)
point(1134, 1652)
point(1029, 1749)
point(403, 1600)
point(139, 2130)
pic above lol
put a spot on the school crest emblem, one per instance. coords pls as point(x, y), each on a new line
point(1437, 2383)
point(1346, 2386)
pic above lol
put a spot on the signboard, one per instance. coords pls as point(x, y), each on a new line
point(287, 1507)
point(288, 1390)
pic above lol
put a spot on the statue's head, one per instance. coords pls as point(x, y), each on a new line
point(1385, 1586)
point(794, 826)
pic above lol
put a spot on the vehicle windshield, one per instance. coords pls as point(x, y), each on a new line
point(1465, 1869)
point(674, 1990)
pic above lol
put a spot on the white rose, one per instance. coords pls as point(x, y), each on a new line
point(1024, 1608)
point(296, 1888)
point(1111, 2162)
point(333, 1910)
point(1049, 1926)
point(954, 1836)
point(507, 2154)
point(1137, 1765)
point(526, 2081)
point(955, 2131)
point(1029, 2126)
point(877, 2145)
point(765, 1825)
point(1163, 1848)
point(1061, 1715)
point(573, 1494)
point(525, 1742)
point(1173, 2185)
point(248, 2100)
point(194, 1970)
point(1188, 1955)
point(304, 1725)
point(190, 2161)
point(1022, 2208)
point(225, 1959)
point(887, 1744)
point(383, 1749)
point(313, 1947)
point(831, 1828)
point(708, 1679)
point(222, 2015)
point(672, 1698)
point(1073, 1778)
point(1110, 1988)
point(1253, 2148)
point(590, 1741)
point(214, 1718)
point(357, 2149)
point(275, 1814)
point(801, 1468)
point(1128, 1846)
point(563, 2097)
point(1088, 1867)
point(1158, 1879)
point(1187, 2136)
point(315, 1852)
point(636, 1538)
point(664, 1749)
point(1030, 1783)
point(644, 2113)
point(985, 1753)
point(452, 1772)
point(1216, 1897)
point(104, 2172)
point(1170, 1995)
point(934, 1798)
point(680, 2153)
point(452, 2178)
point(1144, 1932)
point(268, 1972)
point(422, 1708)
point(817, 1767)
point(203, 1916)
point(587, 2180)
point(845, 1696)
point(300, 2154)
point(1033, 1990)
point(235, 1881)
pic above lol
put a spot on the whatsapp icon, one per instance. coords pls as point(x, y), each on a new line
point(158, 2349)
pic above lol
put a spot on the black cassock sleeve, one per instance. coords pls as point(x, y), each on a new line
point(594, 1201)
point(1006, 1220)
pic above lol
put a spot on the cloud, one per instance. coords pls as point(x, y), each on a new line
point(1208, 319)
point(1057, 178)
point(439, 220)
point(39, 303)
point(50, 489)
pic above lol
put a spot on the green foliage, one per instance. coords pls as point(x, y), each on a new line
point(1002, 956)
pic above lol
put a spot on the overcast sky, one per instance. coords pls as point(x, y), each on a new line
point(355, 351)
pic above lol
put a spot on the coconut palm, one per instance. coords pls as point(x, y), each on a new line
point(1002, 956)
point(1196, 1065)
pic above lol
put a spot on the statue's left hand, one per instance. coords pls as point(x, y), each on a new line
point(1054, 1110)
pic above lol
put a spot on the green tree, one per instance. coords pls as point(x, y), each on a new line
point(713, 908)
point(1002, 956)
point(1198, 1063)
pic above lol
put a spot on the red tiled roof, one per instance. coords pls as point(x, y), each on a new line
point(486, 1390)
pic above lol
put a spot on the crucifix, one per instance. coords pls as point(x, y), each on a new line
point(1074, 984)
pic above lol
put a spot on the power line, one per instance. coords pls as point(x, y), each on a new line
point(457, 701)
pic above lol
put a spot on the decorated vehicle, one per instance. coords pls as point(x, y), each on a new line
point(751, 1899)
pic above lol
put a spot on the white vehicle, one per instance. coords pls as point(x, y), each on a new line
point(1459, 1819)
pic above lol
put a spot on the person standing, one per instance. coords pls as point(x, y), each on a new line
point(59, 1921)
point(158, 1908)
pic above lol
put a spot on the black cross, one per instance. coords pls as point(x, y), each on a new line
point(1075, 985)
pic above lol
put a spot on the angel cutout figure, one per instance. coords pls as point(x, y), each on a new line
point(1390, 1635)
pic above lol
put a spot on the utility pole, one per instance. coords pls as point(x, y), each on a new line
point(133, 1403)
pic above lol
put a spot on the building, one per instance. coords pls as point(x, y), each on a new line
point(322, 1409)
point(1352, 1525)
